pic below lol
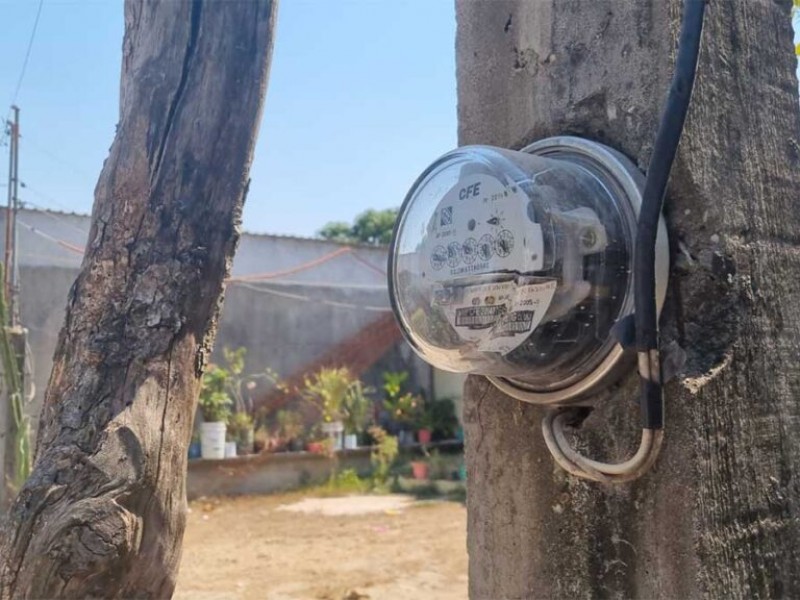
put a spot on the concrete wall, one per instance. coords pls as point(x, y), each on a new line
point(285, 322)
point(268, 473)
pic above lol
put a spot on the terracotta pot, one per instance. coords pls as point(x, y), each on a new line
point(419, 469)
point(316, 447)
point(424, 436)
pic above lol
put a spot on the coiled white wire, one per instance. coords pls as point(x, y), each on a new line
point(575, 463)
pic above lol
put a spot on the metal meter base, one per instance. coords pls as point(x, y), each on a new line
point(620, 174)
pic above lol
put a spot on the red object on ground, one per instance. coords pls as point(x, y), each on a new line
point(424, 436)
point(419, 469)
point(316, 447)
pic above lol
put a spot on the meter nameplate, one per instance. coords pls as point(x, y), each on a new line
point(482, 226)
point(498, 317)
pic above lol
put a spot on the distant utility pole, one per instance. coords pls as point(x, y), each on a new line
point(10, 257)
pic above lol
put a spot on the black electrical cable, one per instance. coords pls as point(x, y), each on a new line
point(664, 149)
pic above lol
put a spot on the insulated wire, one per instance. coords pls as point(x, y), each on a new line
point(53, 216)
point(303, 298)
point(652, 401)
point(28, 52)
point(570, 460)
point(55, 240)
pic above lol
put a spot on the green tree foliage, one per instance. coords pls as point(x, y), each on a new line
point(370, 227)
point(796, 21)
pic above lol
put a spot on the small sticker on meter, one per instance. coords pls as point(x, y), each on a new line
point(498, 316)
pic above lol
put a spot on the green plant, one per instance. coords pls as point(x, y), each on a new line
point(436, 465)
point(370, 227)
point(240, 427)
point(441, 418)
point(393, 382)
point(12, 379)
point(403, 408)
point(334, 391)
point(290, 425)
point(384, 454)
point(424, 416)
point(356, 407)
point(347, 482)
point(215, 403)
point(796, 21)
point(226, 388)
point(260, 439)
point(239, 385)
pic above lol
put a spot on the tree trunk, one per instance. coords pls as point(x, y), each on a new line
point(103, 513)
point(718, 516)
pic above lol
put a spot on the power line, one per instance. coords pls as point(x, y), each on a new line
point(302, 298)
point(49, 153)
point(55, 240)
point(46, 197)
point(51, 215)
point(28, 52)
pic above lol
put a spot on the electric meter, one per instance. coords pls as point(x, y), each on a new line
point(517, 264)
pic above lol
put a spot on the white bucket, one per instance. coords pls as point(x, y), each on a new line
point(335, 431)
point(350, 441)
point(230, 449)
point(212, 440)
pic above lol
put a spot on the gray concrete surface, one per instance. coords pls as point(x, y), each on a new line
point(268, 472)
point(285, 322)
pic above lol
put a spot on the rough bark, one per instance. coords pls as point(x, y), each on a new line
point(718, 516)
point(103, 513)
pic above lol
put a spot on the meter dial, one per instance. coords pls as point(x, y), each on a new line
point(486, 247)
point(469, 251)
point(453, 254)
point(438, 257)
point(504, 243)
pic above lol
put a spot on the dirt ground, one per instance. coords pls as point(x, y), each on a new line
point(287, 547)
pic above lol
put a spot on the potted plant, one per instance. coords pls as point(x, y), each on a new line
point(443, 419)
point(290, 429)
point(355, 408)
point(242, 385)
point(402, 407)
point(419, 469)
point(314, 439)
point(241, 432)
point(260, 439)
point(384, 453)
point(327, 390)
point(437, 465)
point(424, 422)
point(215, 405)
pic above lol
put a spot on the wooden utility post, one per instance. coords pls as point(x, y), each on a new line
point(719, 515)
point(103, 513)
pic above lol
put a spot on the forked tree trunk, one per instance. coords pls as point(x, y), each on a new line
point(103, 513)
point(719, 514)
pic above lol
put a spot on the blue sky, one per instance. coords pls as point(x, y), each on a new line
point(361, 98)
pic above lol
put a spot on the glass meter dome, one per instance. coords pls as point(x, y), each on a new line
point(517, 264)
